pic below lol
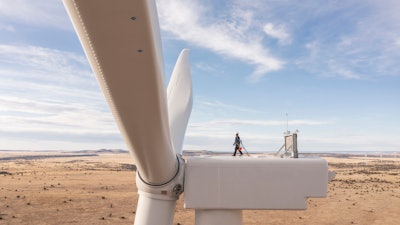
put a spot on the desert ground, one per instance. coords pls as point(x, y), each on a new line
point(98, 187)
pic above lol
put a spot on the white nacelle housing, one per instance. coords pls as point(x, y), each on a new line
point(254, 183)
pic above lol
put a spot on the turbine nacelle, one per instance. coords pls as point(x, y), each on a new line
point(254, 183)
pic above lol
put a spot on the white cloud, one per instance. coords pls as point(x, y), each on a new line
point(40, 57)
point(361, 142)
point(28, 106)
point(262, 123)
point(191, 22)
point(8, 28)
point(43, 13)
point(397, 42)
point(50, 120)
point(218, 105)
point(352, 40)
point(357, 43)
point(51, 95)
point(278, 32)
point(41, 66)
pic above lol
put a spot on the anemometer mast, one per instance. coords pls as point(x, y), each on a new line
point(122, 41)
point(290, 143)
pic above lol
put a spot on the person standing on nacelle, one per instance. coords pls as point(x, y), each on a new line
point(237, 145)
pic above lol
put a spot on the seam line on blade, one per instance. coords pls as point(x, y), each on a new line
point(159, 185)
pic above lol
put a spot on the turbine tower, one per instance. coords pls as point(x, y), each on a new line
point(121, 39)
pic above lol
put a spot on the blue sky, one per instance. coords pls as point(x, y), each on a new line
point(332, 66)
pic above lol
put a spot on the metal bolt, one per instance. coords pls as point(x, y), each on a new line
point(178, 189)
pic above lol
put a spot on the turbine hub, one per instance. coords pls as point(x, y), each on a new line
point(168, 191)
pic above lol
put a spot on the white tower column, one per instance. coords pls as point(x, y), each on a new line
point(163, 211)
point(218, 217)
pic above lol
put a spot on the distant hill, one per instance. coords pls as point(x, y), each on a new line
point(202, 152)
point(103, 151)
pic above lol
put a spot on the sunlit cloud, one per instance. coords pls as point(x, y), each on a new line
point(397, 42)
point(361, 47)
point(236, 122)
point(41, 70)
point(43, 13)
point(218, 105)
point(42, 59)
point(51, 94)
point(356, 142)
point(230, 37)
point(278, 32)
point(7, 28)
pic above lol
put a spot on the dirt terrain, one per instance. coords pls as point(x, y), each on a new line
point(99, 188)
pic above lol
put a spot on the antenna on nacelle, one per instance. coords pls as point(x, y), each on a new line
point(287, 123)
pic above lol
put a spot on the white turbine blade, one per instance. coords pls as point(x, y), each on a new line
point(122, 42)
point(151, 210)
point(180, 100)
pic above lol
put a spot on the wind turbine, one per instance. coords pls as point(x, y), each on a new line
point(121, 39)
